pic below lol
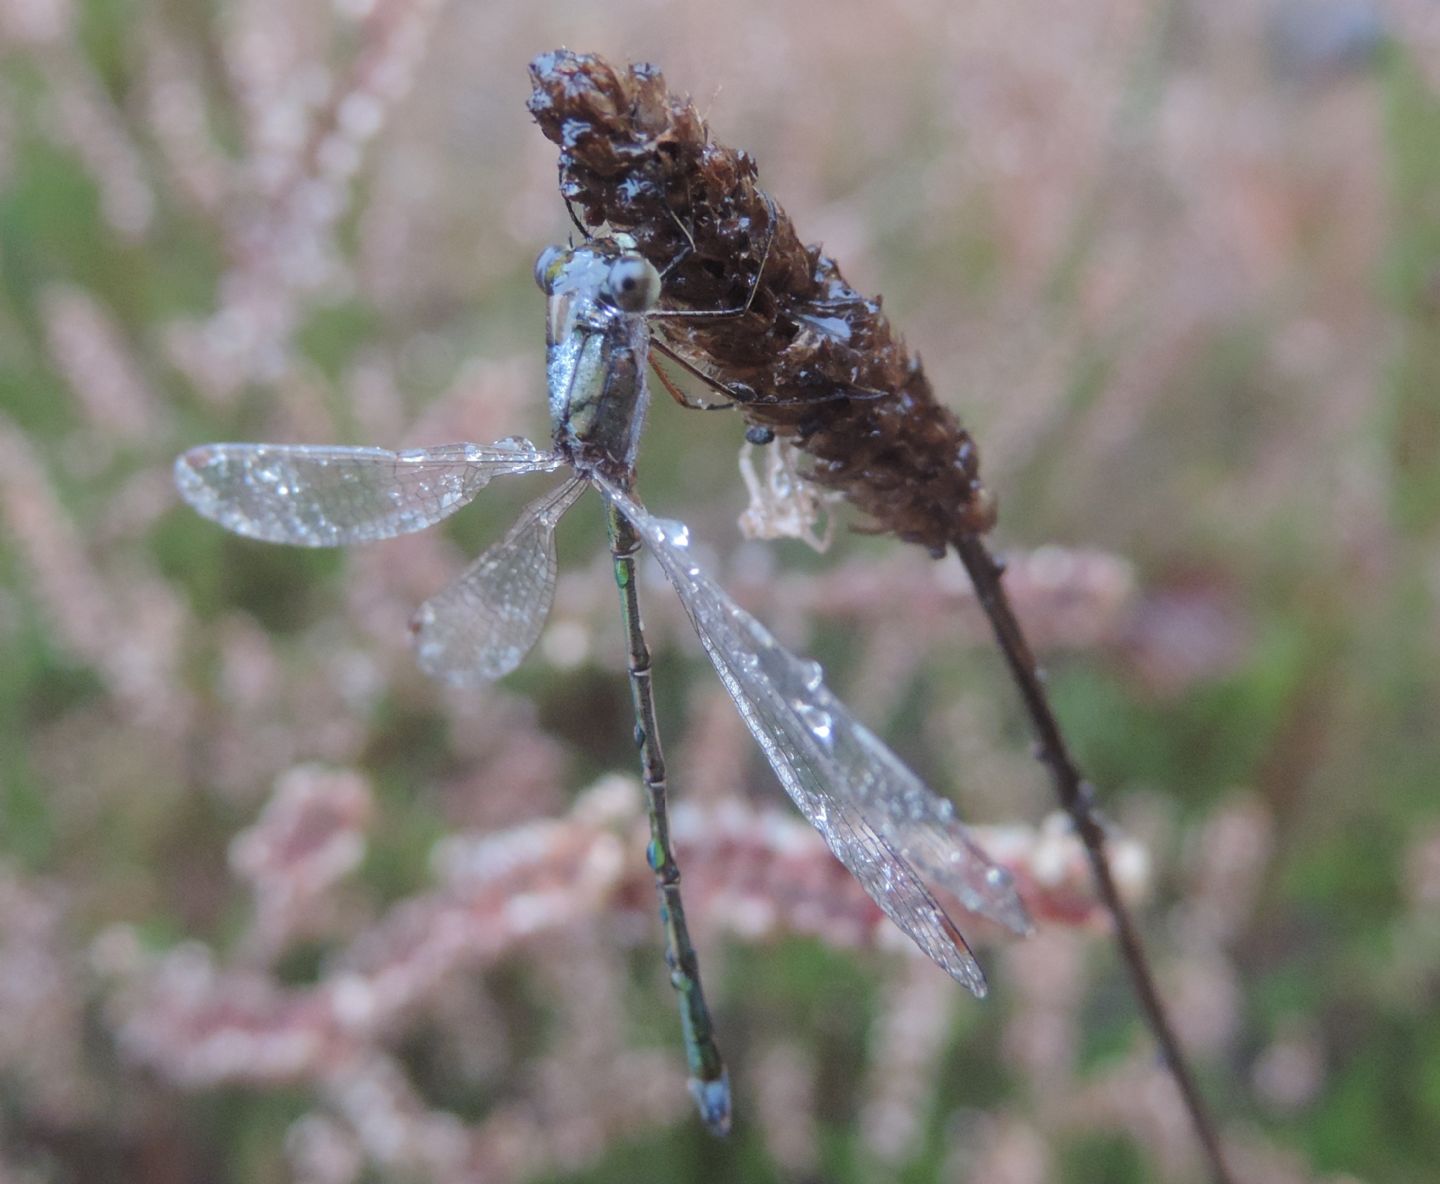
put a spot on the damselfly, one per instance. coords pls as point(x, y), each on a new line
point(880, 820)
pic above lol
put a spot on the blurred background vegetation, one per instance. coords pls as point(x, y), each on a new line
point(1176, 265)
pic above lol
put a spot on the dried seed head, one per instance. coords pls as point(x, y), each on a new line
point(828, 371)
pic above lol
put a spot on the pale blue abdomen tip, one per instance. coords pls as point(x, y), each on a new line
point(713, 1100)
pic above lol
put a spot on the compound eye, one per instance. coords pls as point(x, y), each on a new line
point(548, 267)
point(633, 285)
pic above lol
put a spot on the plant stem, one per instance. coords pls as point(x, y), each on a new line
point(1077, 798)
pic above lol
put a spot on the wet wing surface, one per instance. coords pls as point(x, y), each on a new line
point(878, 818)
point(482, 625)
point(316, 496)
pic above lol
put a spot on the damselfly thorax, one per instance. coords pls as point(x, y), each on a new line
point(597, 343)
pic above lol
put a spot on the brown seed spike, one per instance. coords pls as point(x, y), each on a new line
point(828, 371)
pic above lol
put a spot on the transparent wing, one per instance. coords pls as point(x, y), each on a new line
point(325, 497)
point(878, 818)
point(482, 625)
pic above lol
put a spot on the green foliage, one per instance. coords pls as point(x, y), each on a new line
point(1096, 1157)
point(1412, 409)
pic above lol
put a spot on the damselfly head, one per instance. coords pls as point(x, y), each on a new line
point(548, 266)
point(633, 284)
point(610, 270)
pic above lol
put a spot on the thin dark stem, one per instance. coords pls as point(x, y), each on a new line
point(1077, 798)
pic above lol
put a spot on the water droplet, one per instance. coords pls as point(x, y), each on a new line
point(677, 534)
point(811, 675)
point(818, 721)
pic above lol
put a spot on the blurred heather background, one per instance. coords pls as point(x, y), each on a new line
point(274, 907)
